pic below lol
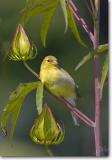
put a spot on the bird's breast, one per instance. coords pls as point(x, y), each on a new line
point(57, 83)
point(49, 76)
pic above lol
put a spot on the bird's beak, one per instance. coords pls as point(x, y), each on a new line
point(54, 62)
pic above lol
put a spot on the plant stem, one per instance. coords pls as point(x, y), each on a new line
point(80, 20)
point(95, 40)
point(92, 6)
point(48, 150)
point(89, 9)
point(31, 70)
point(74, 110)
point(97, 83)
point(71, 108)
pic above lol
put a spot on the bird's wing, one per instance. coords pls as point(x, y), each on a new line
point(67, 77)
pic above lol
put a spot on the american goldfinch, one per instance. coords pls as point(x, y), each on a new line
point(58, 81)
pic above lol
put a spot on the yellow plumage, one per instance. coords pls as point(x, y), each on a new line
point(57, 80)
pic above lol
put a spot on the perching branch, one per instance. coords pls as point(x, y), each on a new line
point(71, 108)
point(78, 113)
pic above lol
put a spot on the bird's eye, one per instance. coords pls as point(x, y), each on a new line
point(48, 60)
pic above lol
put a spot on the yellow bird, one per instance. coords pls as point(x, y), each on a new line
point(58, 81)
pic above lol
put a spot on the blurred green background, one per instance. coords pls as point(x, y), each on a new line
point(79, 141)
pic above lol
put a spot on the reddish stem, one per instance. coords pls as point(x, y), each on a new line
point(97, 108)
point(79, 114)
point(95, 40)
point(74, 110)
point(97, 84)
point(80, 20)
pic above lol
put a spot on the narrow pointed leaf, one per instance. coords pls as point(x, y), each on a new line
point(104, 74)
point(45, 25)
point(73, 26)
point(84, 60)
point(14, 104)
point(64, 9)
point(101, 49)
point(39, 97)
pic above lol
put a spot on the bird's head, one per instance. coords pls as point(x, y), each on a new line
point(49, 61)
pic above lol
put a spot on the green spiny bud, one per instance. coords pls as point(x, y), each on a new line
point(45, 129)
point(21, 48)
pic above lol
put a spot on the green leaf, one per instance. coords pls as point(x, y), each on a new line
point(102, 48)
point(39, 97)
point(14, 105)
point(73, 27)
point(15, 115)
point(64, 9)
point(47, 8)
point(36, 8)
point(45, 25)
point(85, 59)
point(40, 7)
point(104, 74)
point(90, 56)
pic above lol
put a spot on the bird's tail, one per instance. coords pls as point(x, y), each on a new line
point(75, 119)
